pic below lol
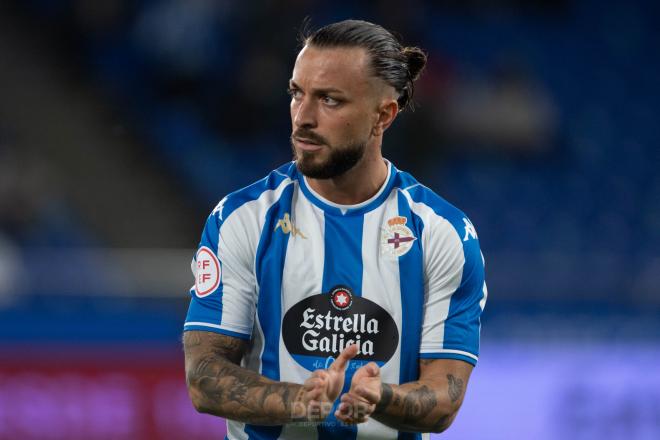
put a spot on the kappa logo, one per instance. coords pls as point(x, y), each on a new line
point(470, 232)
point(288, 227)
point(396, 238)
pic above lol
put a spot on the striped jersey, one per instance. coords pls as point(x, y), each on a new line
point(301, 277)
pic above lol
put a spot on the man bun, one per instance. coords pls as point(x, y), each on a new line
point(415, 62)
point(416, 59)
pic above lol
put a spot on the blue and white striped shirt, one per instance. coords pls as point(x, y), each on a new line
point(401, 274)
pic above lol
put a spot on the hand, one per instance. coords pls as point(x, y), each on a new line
point(320, 391)
point(360, 402)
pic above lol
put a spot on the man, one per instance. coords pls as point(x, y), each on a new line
point(337, 297)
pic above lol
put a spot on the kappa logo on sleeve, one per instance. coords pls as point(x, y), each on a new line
point(207, 274)
point(470, 232)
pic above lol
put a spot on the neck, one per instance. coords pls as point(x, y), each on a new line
point(358, 184)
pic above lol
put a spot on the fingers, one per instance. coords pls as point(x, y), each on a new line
point(342, 360)
point(353, 410)
point(369, 394)
point(366, 383)
point(318, 379)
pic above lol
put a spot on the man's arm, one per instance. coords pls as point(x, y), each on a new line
point(429, 404)
point(218, 385)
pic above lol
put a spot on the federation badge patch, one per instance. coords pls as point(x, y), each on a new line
point(396, 238)
point(207, 274)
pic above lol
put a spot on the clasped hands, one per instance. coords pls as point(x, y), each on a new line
point(324, 386)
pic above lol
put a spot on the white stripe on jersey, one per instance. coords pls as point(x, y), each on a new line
point(236, 431)
point(302, 277)
point(203, 324)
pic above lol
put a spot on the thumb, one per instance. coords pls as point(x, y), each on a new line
point(342, 360)
point(372, 369)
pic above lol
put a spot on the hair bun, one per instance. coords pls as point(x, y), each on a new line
point(416, 60)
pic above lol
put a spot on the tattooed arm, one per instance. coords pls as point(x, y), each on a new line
point(218, 385)
point(429, 404)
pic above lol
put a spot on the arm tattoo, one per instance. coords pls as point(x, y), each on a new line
point(218, 385)
point(417, 404)
point(428, 404)
point(455, 389)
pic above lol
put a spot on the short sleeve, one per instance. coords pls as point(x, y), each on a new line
point(455, 291)
point(223, 298)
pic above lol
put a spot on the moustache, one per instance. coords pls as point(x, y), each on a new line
point(309, 135)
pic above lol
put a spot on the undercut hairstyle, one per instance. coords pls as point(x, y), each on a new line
point(390, 61)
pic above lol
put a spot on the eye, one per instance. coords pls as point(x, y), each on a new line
point(332, 102)
point(294, 93)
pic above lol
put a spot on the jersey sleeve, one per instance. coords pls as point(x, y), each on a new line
point(223, 298)
point(455, 291)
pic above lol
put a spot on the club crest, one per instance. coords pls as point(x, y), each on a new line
point(396, 238)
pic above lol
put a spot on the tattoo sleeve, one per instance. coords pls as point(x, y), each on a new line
point(219, 386)
point(429, 404)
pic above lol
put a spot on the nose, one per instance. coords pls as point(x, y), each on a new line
point(303, 113)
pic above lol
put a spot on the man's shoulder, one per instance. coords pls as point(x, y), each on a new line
point(425, 201)
point(265, 189)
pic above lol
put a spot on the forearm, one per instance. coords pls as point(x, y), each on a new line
point(420, 406)
point(218, 386)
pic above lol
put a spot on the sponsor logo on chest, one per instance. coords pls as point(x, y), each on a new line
point(319, 327)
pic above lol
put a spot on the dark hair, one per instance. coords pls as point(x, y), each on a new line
point(398, 66)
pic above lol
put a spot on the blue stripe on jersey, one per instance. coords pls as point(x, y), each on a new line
point(342, 265)
point(462, 325)
point(343, 253)
point(256, 432)
point(269, 266)
point(460, 357)
point(411, 275)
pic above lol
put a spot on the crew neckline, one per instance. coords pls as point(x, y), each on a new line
point(358, 208)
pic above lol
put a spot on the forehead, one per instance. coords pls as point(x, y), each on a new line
point(343, 68)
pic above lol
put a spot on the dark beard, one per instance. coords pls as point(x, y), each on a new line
point(339, 162)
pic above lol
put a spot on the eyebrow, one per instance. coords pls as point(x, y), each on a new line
point(292, 83)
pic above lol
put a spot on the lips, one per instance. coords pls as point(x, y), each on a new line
point(307, 144)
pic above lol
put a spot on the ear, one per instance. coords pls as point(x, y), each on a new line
point(387, 112)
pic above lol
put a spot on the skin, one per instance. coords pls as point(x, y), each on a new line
point(335, 104)
point(218, 385)
point(333, 96)
point(429, 404)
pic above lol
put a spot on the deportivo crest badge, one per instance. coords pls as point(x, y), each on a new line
point(396, 238)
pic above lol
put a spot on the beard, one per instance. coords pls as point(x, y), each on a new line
point(341, 158)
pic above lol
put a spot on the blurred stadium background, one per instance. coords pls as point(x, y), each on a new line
point(122, 123)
